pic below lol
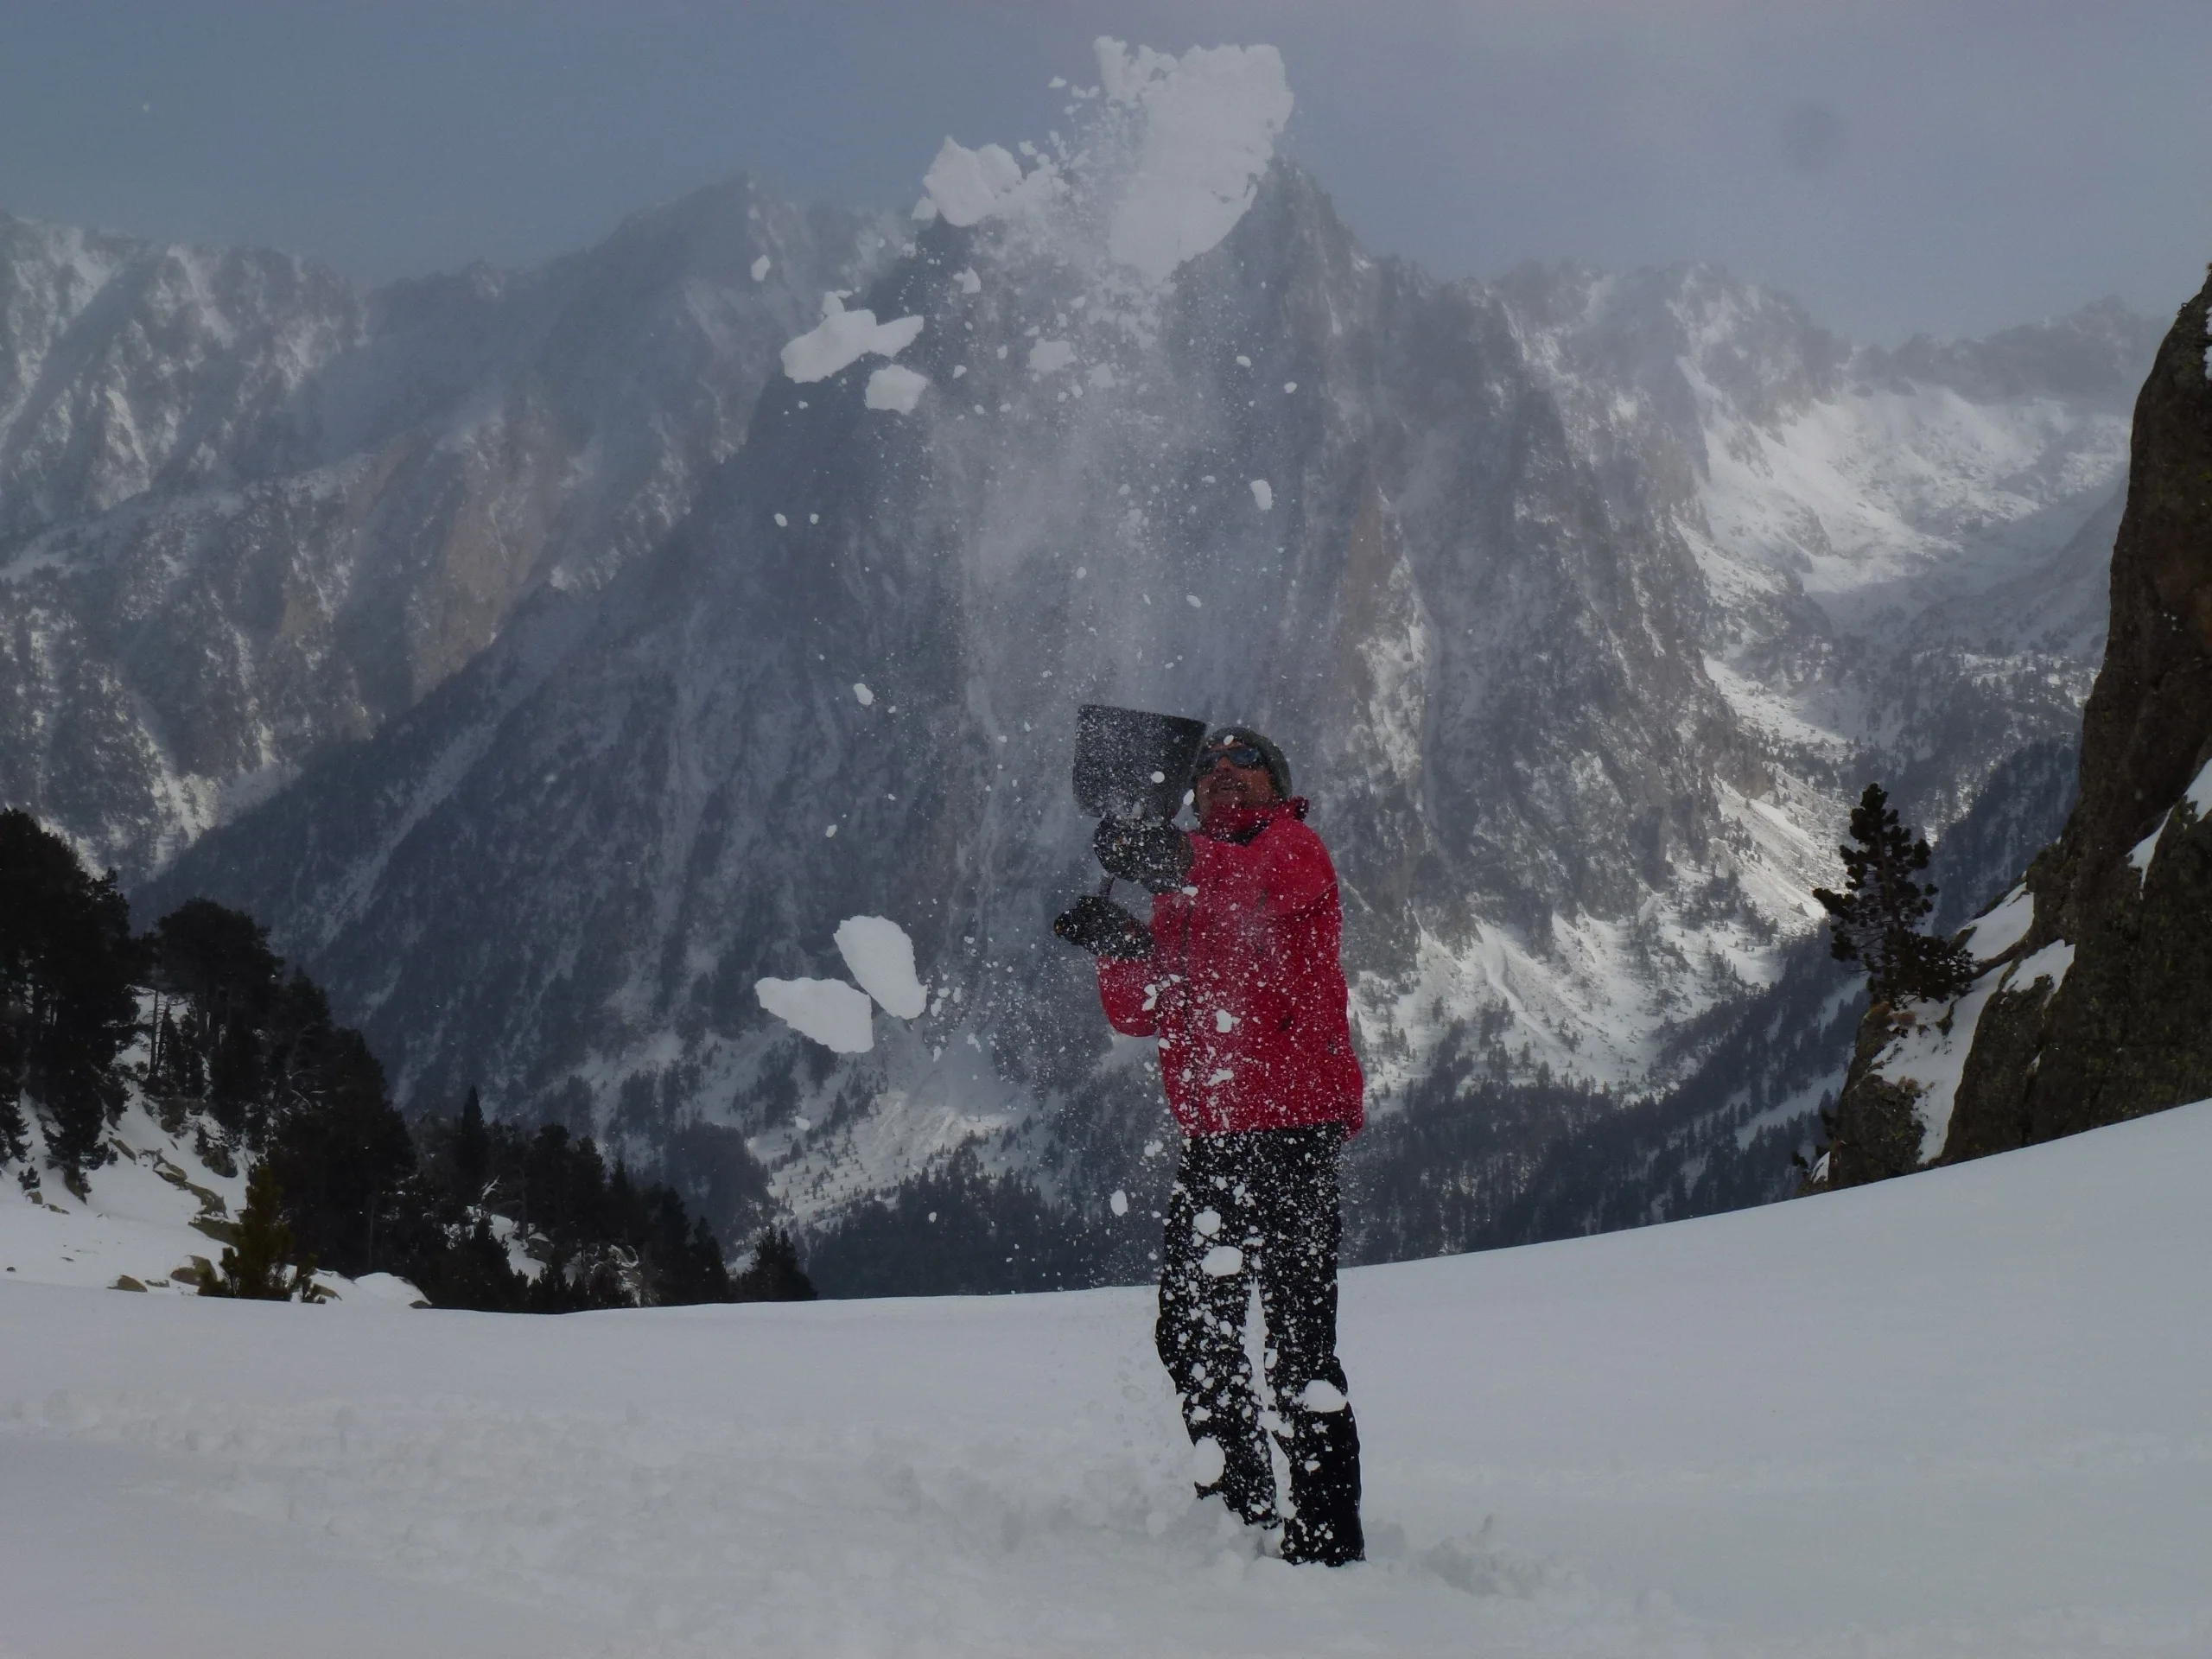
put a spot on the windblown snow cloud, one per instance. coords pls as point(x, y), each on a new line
point(1211, 119)
point(1173, 162)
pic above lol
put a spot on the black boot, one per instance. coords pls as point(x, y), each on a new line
point(1247, 1483)
point(1324, 1452)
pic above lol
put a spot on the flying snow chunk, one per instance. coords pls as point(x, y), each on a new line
point(829, 1011)
point(1221, 1260)
point(968, 185)
point(1119, 1202)
point(1050, 356)
point(761, 267)
point(1206, 1223)
point(1210, 118)
point(842, 339)
point(862, 695)
point(924, 210)
point(1264, 493)
point(896, 388)
point(1207, 1460)
point(1322, 1395)
point(970, 282)
point(881, 958)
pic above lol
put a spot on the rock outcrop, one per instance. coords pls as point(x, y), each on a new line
point(2128, 1028)
point(2095, 1004)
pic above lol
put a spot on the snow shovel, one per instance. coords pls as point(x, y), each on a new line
point(1131, 764)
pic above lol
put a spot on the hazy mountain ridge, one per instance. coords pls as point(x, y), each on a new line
point(246, 510)
point(645, 820)
point(1582, 602)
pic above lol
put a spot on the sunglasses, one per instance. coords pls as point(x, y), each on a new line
point(1241, 755)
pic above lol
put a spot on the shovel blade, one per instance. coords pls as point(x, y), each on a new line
point(1133, 764)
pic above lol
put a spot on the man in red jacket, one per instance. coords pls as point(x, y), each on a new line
point(1237, 975)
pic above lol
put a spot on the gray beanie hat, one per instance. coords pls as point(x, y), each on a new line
point(1278, 768)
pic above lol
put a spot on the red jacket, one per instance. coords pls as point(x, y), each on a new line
point(1244, 988)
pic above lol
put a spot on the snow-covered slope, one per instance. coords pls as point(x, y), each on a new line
point(153, 1219)
point(1961, 1416)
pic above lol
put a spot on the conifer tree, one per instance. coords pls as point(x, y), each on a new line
point(254, 1267)
point(775, 1274)
point(472, 1151)
point(1877, 920)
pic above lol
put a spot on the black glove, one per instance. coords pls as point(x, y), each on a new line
point(1103, 928)
point(1143, 850)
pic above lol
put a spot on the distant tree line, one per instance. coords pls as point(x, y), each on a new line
point(244, 1055)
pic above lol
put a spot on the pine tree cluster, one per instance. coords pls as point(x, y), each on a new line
point(244, 1056)
point(67, 963)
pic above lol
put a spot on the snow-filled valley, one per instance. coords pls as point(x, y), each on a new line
point(1961, 1414)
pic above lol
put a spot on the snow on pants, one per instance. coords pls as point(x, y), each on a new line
point(1263, 1205)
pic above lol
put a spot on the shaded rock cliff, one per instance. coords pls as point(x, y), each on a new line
point(2127, 1028)
point(2095, 1002)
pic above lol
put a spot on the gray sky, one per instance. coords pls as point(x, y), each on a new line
point(1946, 165)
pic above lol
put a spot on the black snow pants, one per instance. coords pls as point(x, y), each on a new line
point(1262, 1206)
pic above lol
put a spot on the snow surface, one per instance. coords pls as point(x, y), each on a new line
point(2051, 962)
point(2002, 925)
point(882, 958)
point(842, 339)
point(136, 1221)
point(1960, 1415)
point(829, 1011)
point(896, 388)
point(2200, 791)
point(2143, 852)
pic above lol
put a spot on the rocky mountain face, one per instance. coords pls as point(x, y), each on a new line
point(248, 510)
point(1479, 1166)
point(1582, 603)
point(2124, 895)
point(2093, 1005)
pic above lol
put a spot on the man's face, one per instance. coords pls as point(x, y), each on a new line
point(1225, 784)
